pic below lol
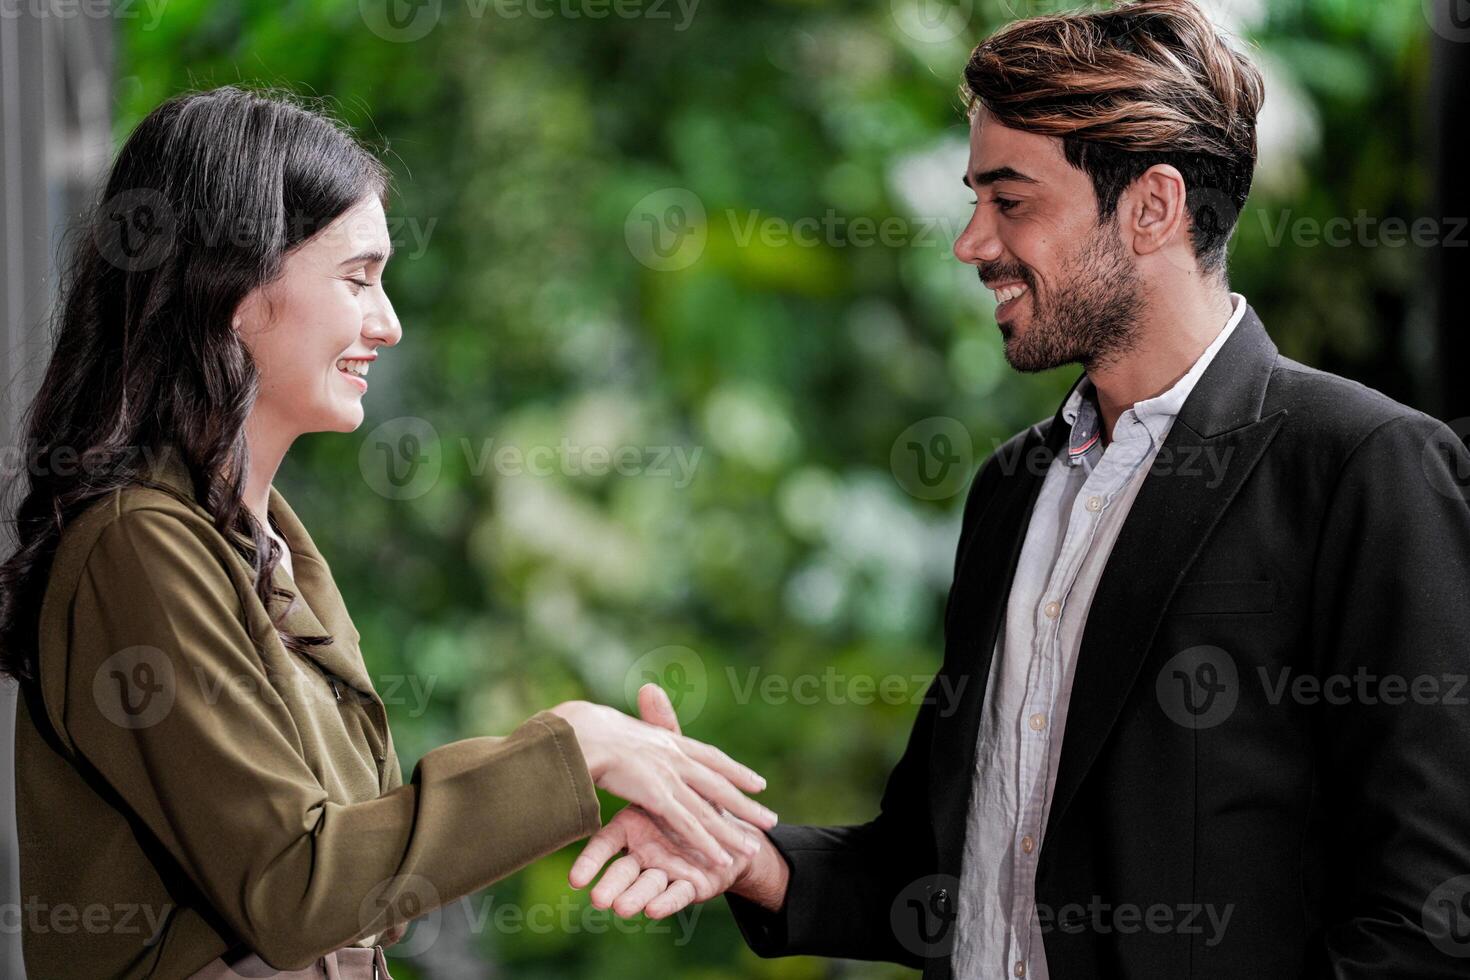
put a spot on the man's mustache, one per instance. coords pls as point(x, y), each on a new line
point(999, 273)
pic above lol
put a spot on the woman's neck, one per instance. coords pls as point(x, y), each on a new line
point(266, 448)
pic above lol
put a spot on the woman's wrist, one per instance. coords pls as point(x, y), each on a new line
point(580, 716)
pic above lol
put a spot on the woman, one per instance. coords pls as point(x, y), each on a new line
point(206, 784)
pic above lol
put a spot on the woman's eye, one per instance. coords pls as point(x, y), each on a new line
point(358, 285)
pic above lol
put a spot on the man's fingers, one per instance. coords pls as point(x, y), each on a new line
point(678, 895)
point(672, 861)
point(624, 872)
point(650, 885)
point(604, 844)
point(655, 708)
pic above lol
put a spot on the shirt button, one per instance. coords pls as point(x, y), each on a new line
point(1038, 722)
point(1020, 970)
point(1028, 844)
point(1052, 609)
point(1094, 504)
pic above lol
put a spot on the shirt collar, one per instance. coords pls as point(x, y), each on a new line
point(1081, 409)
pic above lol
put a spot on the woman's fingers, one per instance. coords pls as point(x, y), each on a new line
point(742, 776)
point(679, 815)
point(678, 895)
point(624, 872)
point(718, 791)
point(730, 836)
point(650, 885)
point(604, 844)
point(655, 708)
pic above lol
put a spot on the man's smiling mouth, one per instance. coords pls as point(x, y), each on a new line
point(1007, 295)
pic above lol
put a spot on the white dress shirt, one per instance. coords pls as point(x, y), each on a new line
point(1083, 503)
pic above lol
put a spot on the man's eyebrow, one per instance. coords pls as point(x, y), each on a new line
point(371, 255)
point(999, 173)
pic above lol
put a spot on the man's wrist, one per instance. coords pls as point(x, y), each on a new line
point(767, 878)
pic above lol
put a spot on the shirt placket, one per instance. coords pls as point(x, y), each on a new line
point(1037, 722)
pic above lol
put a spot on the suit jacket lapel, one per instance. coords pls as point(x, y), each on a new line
point(984, 571)
point(1213, 446)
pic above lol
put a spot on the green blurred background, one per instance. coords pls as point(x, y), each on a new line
point(545, 310)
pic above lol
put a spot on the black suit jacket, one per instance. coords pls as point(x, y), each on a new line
point(1269, 722)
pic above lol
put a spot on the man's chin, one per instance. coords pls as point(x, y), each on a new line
point(1026, 359)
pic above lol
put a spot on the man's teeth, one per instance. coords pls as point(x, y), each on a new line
point(359, 368)
point(1007, 293)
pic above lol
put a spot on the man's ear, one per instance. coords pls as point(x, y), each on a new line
point(1154, 210)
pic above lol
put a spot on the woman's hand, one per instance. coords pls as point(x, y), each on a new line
point(652, 872)
point(673, 778)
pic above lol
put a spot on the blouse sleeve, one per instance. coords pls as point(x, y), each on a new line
point(159, 644)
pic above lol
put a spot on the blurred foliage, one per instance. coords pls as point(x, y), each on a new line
point(523, 135)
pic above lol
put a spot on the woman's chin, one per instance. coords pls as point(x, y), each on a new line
point(344, 418)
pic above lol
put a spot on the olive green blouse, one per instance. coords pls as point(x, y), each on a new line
point(186, 785)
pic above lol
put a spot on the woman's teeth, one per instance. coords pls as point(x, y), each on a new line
point(359, 368)
point(1007, 293)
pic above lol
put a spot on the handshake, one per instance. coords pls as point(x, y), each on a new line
point(689, 834)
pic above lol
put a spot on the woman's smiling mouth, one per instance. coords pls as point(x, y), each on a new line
point(355, 370)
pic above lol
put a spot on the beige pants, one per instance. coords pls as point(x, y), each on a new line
point(348, 963)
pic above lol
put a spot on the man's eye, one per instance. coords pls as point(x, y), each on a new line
point(1005, 203)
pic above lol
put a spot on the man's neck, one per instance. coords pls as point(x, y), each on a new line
point(1172, 335)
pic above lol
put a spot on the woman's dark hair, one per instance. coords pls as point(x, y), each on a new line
point(203, 203)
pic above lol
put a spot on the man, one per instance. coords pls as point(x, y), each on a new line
point(1211, 620)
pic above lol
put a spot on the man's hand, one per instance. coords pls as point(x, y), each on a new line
point(656, 875)
point(653, 876)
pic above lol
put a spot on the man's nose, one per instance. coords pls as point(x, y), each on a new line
point(978, 243)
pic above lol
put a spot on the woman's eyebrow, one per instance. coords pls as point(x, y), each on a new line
point(999, 173)
point(372, 255)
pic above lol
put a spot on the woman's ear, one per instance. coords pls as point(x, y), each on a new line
point(246, 312)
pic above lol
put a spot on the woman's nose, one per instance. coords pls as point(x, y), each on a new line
point(382, 325)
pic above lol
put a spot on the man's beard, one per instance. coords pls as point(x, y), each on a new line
point(1090, 319)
